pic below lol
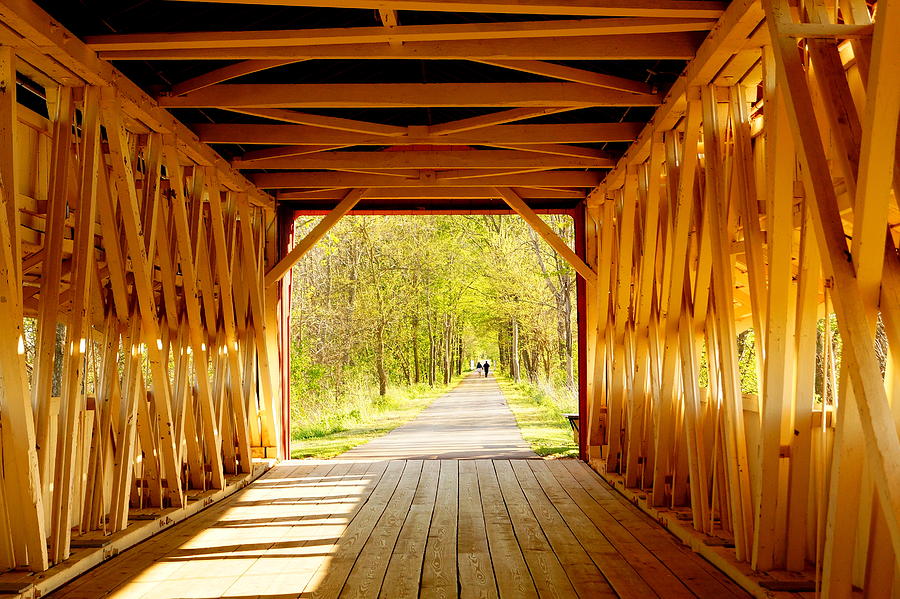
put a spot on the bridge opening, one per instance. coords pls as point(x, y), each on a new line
point(411, 300)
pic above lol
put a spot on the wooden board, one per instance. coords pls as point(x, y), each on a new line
point(409, 528)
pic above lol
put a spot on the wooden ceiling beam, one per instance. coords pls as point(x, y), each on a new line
point(390, 20)
point(395, 33)
point(388, 17)
point(557, 71)
point(556, 149)
point(494, 118)
point(507, 134)
point(405, 95)
point(652, 46)
point(433, 193)
point(594, 8)
point(324, 122)
point(474, 173)
point(232, 71)
point(449, 159)
point(285, 151)
point(331, 179)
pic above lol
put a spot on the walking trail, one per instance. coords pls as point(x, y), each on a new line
point(472, 421)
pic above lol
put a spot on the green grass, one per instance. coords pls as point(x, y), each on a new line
point(540, 419)
point(337, 433)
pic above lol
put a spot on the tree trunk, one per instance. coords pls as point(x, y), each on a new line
point(569, 345)
point(514, 351)
point(379, 361)
point(431, 354)
point(448, 331)
point(415, 348)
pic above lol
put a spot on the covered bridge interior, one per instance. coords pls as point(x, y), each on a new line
point(730, 167)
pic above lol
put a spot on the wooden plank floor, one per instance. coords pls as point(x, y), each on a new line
point(412, 528)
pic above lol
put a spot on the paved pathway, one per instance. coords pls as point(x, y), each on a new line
point(471, 421)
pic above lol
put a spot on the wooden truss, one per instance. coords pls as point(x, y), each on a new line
point(759, 197)
point(132, 275)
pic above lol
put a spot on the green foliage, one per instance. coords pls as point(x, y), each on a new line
point(748, 362)
point(388, 302)
point(539, 414)
point(828, 363)
point(704, 367)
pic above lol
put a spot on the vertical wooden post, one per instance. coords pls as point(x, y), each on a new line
point(578, 215)
point(78, 333)
point(21, 475)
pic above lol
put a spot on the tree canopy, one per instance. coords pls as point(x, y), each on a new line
point(406, 299)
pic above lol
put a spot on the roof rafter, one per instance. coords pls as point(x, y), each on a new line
point(495, 118)
point(285, 151)
point(404, 95)
point(425, 178)
point(652, 46)
point(434, 159)
point(232, 71)
point(508, 134)
point(557, 71)
point(604, 8)
point(324, 122)
point(395, 33)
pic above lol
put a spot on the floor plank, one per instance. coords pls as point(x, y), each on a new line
point(404, 572)
point(513, 578)
point(615, 566)
point(329, 579)
point(546, 570)
point(649, 567)
point(400, 529)
point(701, 577)
point(579, 566)
point(369, 570)
point(439, 572)
point(476, 575)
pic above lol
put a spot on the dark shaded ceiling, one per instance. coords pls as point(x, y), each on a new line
point(98, 17)
point(101, 17)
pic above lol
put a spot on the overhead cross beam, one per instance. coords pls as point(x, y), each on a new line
point(331, 180)
point(394, 34)
point(405, 95)
point(508, 134)
point(435, 159)
point(604, 8)
point(455, 194)
point(557, 71)
point(495, 118)
point(652, 46)
point(232, 71)
point(325, 122)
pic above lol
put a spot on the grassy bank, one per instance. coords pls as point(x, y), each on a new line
point(333, 434)
point(539, 415)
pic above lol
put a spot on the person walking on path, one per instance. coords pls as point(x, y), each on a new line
point(478, 367)
point(487, 367)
